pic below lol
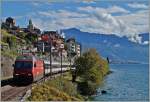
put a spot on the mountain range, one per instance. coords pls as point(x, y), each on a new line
point(118, 49)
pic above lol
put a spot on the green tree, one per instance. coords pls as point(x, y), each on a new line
point(31, 38)
point(21, 35)
point(90, 68)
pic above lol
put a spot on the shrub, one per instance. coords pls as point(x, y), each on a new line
point(48, 93)
point(64, 85)
point(55, 90)
point(21, 35)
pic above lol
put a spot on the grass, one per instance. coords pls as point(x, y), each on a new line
point(58, 89)
point(3, 43)
point(68, 76)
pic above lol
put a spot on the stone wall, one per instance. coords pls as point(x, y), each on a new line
point(6, 66)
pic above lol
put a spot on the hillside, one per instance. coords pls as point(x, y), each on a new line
point(112, 46)
point(10, 47)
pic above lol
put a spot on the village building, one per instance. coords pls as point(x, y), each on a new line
point(78, 49)
point(9, 24)
point(74, 48)
point(44, 41)
point(52, 37)
point(71, 46)
point(31, 29)
point(53, 40)
point(30, 26)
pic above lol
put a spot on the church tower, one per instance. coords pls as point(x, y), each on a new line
point(30, 26)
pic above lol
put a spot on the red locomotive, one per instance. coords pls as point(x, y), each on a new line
point(28, 68)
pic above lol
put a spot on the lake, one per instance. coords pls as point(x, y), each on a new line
point(128, 82)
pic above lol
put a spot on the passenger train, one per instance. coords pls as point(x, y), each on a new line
point(30, 68)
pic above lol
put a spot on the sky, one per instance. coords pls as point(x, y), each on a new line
point(120, 17)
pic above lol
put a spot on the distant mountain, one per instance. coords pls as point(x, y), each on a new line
point(112, 46)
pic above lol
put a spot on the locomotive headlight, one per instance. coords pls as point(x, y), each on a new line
point(16, 74)
point(29, 74)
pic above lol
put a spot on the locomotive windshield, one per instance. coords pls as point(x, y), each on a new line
point(23, 64)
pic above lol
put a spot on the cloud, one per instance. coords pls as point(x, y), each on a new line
point(138, 5)
point(105, 41)
point(112, 9)
point(135, 38)
point(137, 20)
point(117, 9)
point(117, 45)
point(35, 3)
point(61, 13)
point(38, 3)
point(89, 1)
point(145, 42)
point(95, 20)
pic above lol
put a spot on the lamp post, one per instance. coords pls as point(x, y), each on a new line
point(47, 38)
point(70, 59)
point(50, 56)
point(43, 47)
point(72, 52)
point(61, 48)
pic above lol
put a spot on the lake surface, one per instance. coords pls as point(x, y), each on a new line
point(128, 82)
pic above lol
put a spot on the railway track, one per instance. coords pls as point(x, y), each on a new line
point(14, 93)
point(17, 92)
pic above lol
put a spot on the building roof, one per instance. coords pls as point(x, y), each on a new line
point(70, 39)
point(9, 19)
point(50, 32)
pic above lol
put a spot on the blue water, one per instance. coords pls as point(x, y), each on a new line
point(128, 82)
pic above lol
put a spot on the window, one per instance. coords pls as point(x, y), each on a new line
point(23, 64)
